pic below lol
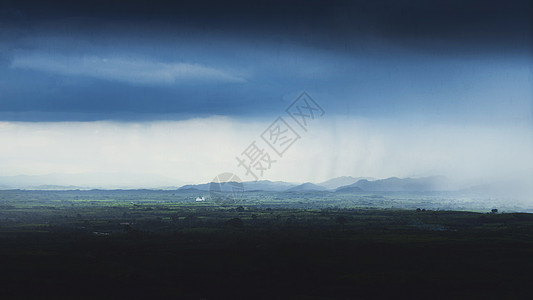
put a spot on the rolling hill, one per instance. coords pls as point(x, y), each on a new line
point(306, 187)
point(394, 184)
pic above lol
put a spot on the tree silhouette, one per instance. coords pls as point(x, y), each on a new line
point(341, 220)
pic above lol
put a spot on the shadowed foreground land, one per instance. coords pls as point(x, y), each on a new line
point(88, 248)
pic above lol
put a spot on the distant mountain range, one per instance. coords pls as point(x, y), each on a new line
point(261, 185)
point(307, 187)
point(344, 184)
point(394, 184)
point(342, 181)
point(355, 185)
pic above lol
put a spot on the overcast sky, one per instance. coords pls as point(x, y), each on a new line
point(179, 89)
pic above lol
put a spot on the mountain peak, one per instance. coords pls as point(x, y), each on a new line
point(395, 184)
point(306, 187)
point(337, 182)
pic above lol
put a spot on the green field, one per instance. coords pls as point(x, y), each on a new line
point(163, 244)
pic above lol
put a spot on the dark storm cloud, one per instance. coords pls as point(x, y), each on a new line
point(138, 60)
point(340, 24)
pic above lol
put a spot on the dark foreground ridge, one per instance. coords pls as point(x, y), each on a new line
point(101, 247)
